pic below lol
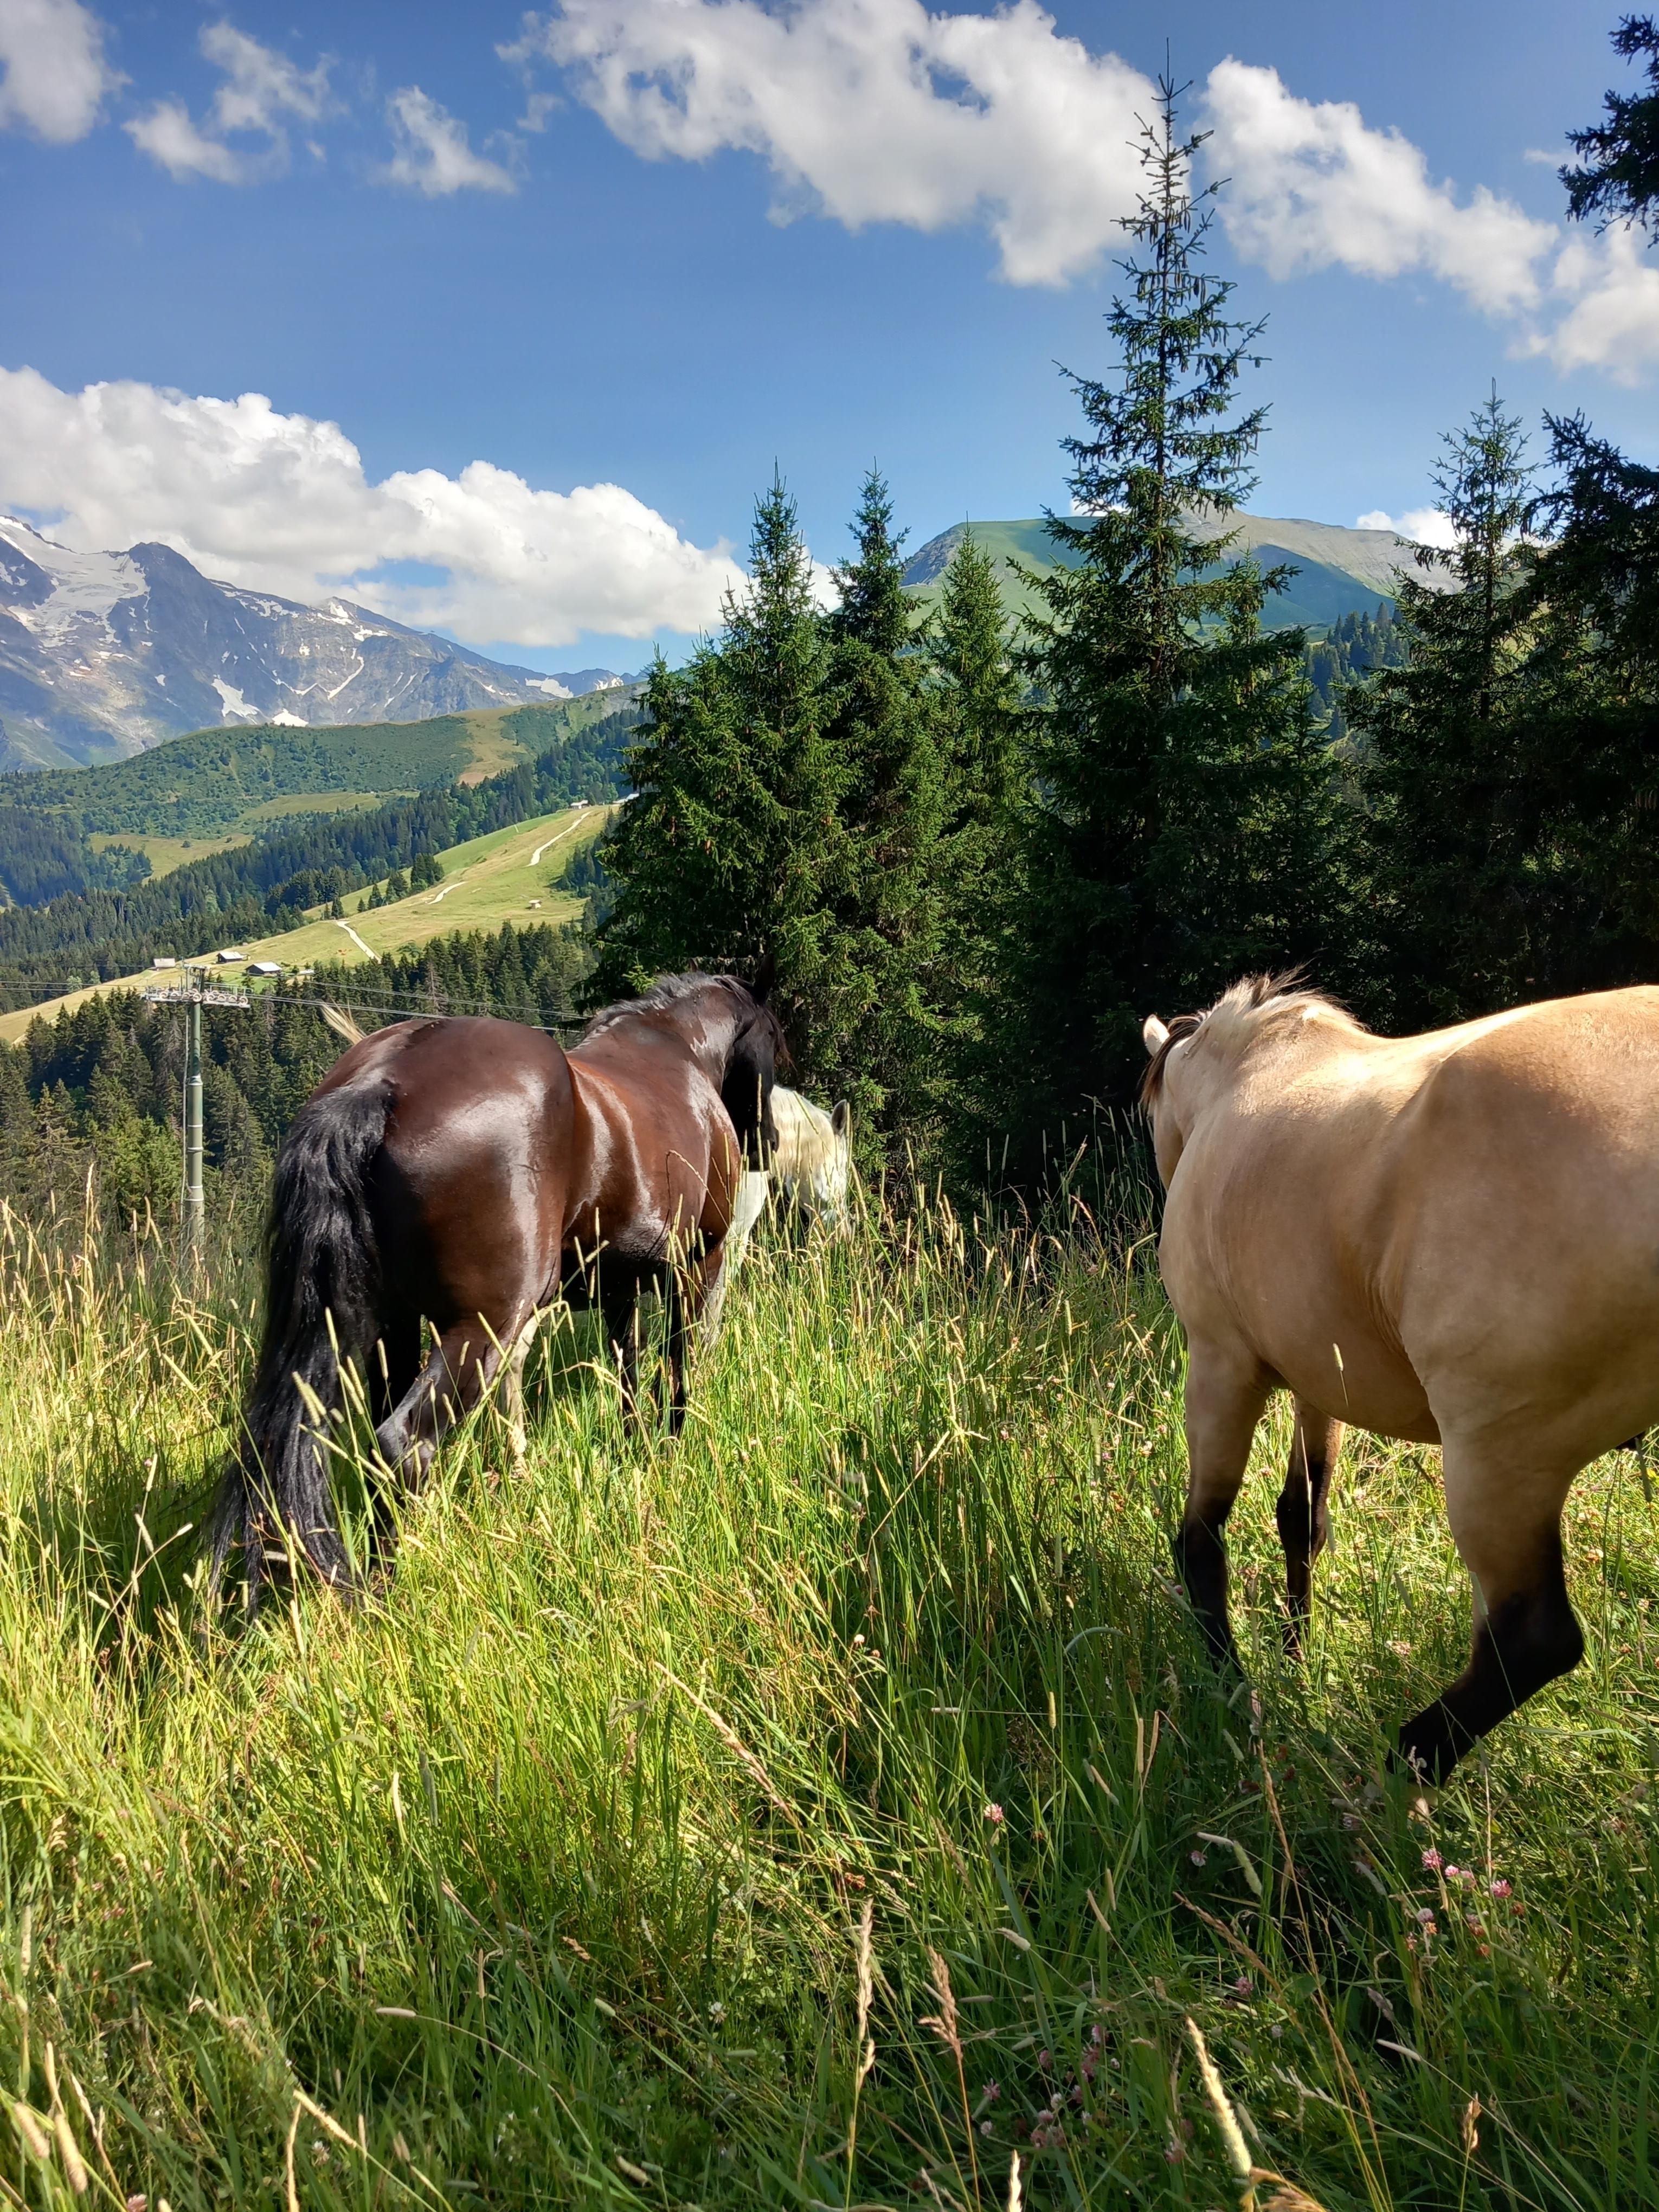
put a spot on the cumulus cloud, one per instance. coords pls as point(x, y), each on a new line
point(877, 111)
point(1314, 187)
point(1423, 525)
point(433, 155)
point(56, 77)
point(1610, 316)
point(282, 503)
point(874, 111)
point(261, 92)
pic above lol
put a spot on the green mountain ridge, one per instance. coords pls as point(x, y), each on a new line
point(1338, 571)
point(254, 779)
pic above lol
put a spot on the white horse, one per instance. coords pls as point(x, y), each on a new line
point(812, 1165)
point(814, 1160)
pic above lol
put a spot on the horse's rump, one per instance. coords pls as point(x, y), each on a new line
point(1452, 1237)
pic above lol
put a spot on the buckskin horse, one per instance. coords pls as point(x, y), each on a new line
point(463, 1173)
point(1452, 1239)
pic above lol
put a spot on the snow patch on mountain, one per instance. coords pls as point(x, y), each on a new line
point(103, 654)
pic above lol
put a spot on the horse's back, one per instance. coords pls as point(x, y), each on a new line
point(662, 1156)
point(1460, 1228)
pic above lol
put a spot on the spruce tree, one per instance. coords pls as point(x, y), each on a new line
point(981, 725)
point(734, 838)
point(1443, 758)
point(1617, 178)
point(885, 1006)
point(1185, 827)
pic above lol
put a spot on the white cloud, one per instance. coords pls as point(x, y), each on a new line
point(167, 134)
point(281, 502)
point(262, 89)
point(874, 111)
point(1611, 321)
point(433, 155)
point(1314, 187)
point(56, 77)
point(1423, 525)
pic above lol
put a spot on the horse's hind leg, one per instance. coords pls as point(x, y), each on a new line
point(1224, 1398)
point(1507, 1522)
point(513, 1381)
point(619, 1304)
point(458, 1369)
point(1303, 1521)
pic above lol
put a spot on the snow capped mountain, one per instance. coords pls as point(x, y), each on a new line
point(102, 654)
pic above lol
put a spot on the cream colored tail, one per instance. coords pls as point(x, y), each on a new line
point(340, 1022)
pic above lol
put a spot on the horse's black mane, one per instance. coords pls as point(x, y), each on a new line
point(668, 991)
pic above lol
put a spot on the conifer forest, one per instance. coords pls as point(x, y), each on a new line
point(831, 1804)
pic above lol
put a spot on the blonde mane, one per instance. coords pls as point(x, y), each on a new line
point(1254, 1007)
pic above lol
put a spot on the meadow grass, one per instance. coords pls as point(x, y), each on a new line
point(824, 1810)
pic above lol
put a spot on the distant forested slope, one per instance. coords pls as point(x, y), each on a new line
point(229, 779)
point(248, 891)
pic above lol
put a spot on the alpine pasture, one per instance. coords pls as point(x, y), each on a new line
point(830, 1809)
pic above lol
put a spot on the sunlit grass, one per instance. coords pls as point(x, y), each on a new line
point(541, 1878)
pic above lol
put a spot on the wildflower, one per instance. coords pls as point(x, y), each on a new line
point(1399, 1647)
point(1473, 1920)
point(717, 2012)
point(1174, 2153)
point(1276, 2031)
point(1242, 1985)
point(1425, 1918)
point(1431, 1859)
point(1454, 1874)
point(138, 2202)
point(857, 1640)
point(1351, 1820)
point(1199, 1858)
point(985, 2127)
point(1095, 2035)
point(1045, 2060)
point(993, 1814)
point(991, 2092)
point(1499, 1889)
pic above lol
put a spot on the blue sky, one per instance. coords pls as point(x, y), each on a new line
point(658, 244)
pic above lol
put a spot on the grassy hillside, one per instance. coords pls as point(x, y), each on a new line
point(828, 1810)
point(216, 782)
point(1339, 571)
point(167, 854)
point(487, 881)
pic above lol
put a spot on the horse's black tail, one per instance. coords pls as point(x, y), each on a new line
point(321, 1300)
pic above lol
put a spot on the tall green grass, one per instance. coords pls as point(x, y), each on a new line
point(823, 1810)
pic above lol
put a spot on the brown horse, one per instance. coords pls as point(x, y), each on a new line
point(464, 1174)
point(1451, 1238)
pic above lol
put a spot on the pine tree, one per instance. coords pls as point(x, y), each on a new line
point(1618, 178)
point(980, 713)
point(1186, 828)
point(734, 833)
point(884, 1006)
point(1444, 760)
point(982, 724)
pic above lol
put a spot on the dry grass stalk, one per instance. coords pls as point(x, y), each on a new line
point(945, 2026)
point(1287, 2197)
